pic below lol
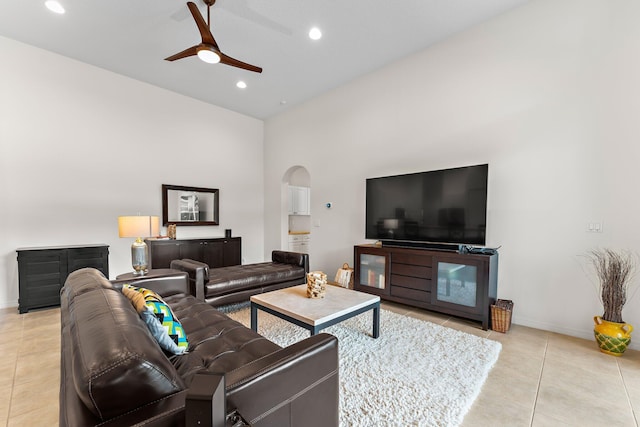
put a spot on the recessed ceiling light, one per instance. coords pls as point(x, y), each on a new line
point(241, 85)
point(54, 6)
point(315, 33)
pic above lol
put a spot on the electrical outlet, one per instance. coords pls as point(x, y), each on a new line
point(594, 227)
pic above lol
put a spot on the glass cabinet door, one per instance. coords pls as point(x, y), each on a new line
point(372, 270)
point(460, 283)
point(457, 283)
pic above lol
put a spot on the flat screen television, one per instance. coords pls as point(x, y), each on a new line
point(446, 206)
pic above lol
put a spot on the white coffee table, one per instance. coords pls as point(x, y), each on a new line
point(315, 314)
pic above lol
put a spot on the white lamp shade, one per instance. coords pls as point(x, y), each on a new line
point(138, 226)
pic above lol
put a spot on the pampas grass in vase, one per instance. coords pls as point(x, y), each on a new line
point(615, 270)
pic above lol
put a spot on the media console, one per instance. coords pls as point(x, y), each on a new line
point(459, 284)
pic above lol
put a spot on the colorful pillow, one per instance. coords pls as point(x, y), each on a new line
point(158, 331)
point(136, 298)
point(159, 318)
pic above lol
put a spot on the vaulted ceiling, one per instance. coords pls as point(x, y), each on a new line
point(132, 38)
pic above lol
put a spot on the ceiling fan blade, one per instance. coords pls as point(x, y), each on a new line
point(185, 53)
point(224, 59)
point(205, 31)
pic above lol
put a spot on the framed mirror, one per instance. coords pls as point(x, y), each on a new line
point(189, 205)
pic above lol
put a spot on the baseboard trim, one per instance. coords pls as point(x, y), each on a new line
point(9, 304)
point(551, 327)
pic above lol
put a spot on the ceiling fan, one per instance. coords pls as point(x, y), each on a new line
point(208, 50)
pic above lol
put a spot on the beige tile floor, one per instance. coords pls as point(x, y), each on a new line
point(541, 378)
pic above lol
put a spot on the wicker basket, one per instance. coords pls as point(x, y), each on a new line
point(501, 315)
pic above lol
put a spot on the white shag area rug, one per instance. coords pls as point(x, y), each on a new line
point(416, 373)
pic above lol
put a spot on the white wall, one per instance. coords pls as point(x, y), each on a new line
point(547, 94)
point(80, 146)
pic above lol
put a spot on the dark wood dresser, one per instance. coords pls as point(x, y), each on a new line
point(42, 271)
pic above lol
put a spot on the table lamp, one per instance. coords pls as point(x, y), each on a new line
point(139, 227)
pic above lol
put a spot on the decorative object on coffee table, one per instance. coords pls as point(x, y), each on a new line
point(614, 270)
point(316, 284)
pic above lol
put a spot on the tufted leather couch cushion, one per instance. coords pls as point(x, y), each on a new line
point(216, 343)
point(240, 277)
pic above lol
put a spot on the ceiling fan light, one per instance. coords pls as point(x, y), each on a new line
point(241, 85)
point(208, 56)
point(54, 6)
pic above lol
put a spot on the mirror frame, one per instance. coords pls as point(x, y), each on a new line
point(165, 204)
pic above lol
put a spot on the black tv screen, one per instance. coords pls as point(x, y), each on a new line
point(443, 206)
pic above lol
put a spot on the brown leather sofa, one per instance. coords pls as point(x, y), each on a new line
point(113, 373)
point(226, 285)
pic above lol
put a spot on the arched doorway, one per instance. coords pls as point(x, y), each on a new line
point(296, 209)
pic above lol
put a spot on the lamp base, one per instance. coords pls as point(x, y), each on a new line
point(140, 272)
point(139, 257)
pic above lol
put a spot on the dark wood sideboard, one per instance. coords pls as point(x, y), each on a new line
point(215, 252)
point(463, 285)
point(42, 271)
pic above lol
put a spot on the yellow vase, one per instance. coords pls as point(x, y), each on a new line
point(613, 338)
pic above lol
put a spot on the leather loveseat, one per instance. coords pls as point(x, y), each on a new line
point(113, 372)
point(226, 285)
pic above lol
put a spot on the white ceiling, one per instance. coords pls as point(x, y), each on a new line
point(132, 38)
